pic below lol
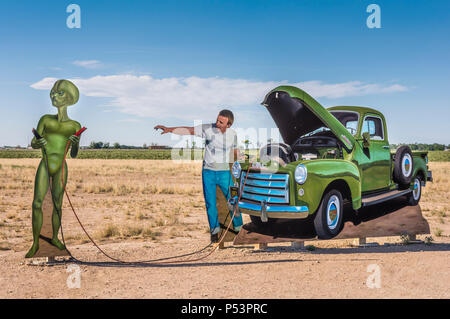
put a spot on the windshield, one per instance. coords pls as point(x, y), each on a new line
point(349, 119)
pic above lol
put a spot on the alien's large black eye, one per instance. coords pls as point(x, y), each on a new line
point(61, 92)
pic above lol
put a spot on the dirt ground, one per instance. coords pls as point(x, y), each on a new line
point(153, 209)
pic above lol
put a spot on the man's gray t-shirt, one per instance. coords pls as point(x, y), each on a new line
point(219, 146)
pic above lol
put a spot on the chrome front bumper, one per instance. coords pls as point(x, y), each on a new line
point(297, 212)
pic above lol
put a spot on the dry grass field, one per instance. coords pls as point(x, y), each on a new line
point(116, 199)
point(152, 204)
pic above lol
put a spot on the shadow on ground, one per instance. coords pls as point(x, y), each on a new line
point(392, 218)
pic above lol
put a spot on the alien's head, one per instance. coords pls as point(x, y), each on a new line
point(64, 93)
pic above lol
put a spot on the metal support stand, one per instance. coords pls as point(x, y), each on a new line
point(261, 246)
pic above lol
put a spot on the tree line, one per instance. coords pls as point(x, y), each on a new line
point(414, 147)
point(106, 145)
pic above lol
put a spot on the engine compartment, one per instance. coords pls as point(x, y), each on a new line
point(320, 145)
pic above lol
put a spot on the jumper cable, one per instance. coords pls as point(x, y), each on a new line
point(160, 261)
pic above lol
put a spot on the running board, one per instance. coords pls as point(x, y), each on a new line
point(368, 201)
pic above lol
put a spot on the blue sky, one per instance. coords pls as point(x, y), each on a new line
point(142, 63)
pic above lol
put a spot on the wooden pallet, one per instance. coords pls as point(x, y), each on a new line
point(224, 219)
point(46, 249)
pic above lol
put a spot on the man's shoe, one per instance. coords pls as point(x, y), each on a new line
point(215, 238)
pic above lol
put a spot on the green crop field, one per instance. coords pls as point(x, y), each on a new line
point(113, 154)
point(434, 156)
point(20, 153)
point(125, 154)
point(439, 156)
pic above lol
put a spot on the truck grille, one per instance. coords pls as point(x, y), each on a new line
point(272, 188)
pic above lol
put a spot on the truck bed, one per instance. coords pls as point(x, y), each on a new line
point(414, 153)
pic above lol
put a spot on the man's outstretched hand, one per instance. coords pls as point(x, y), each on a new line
point(164, 129)
point(180, 130)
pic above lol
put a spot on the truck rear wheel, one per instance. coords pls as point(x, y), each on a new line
point(403, 166)
point(329, 215)
point(414, 197)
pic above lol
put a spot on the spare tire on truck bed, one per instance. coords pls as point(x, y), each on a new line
point(403, 166)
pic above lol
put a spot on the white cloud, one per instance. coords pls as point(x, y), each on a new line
point(353, 88)
point(194, 97)
point(88, 64)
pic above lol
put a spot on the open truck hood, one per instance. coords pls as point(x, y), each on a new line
point(296, 113)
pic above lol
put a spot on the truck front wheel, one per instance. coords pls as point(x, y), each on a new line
point(329, 215)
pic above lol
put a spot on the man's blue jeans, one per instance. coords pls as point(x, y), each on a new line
point(210, 180)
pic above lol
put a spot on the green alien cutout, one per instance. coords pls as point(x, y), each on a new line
point(56, 131)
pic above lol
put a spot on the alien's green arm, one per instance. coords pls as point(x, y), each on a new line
point(75, 146)
point(40, 130)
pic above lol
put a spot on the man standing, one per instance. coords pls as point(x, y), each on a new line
point(220, 141)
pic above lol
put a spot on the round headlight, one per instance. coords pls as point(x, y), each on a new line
point(301, 174)
point(236, 170)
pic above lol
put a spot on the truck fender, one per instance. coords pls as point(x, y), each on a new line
point(326, 174)
point(420, 168)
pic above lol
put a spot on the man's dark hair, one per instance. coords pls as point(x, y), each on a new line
point(229, 115)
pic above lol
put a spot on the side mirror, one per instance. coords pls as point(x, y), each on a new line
point(366, 140)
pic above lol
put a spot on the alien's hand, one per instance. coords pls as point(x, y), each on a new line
point(74, 139)
point(40, 143)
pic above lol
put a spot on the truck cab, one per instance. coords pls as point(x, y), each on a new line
point(373, 156)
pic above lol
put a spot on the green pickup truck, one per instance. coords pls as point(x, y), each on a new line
point(328, 156)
